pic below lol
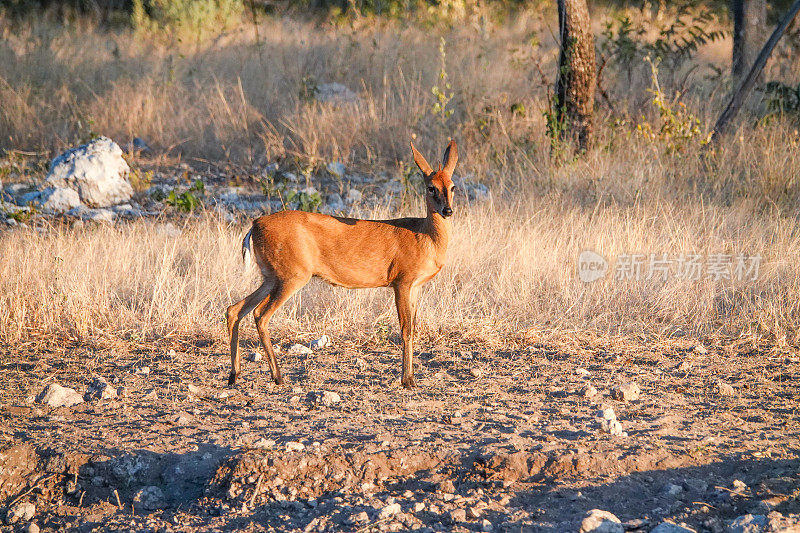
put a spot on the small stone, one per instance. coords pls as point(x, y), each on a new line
point(486, 525)
point(32, 527)
point(457, 515)
point(264, 443)
point(353, 196)
point(684, 366)
point(607, 414)
point(299, 349)
point(419, 507)
point(670, 489)
point(739, 485)
point(588, 391)
point(699, 348)
point(582, 372)
point(323, 342)
point(151, 396)
point(748, 524)
point(627, 392)
point(255, 356)
point(194, 389)
point(99, 389)
point(59, 199)
point(636, 523)
point(20, 512)
point(294, 446)
point(695, 485)
point(671, 527)
point(54, 395)
point(150, 498)
point(475, 372)
point(599, 521)
point(357, 518)
point(474, 512)
point(336, 168)
point(326, 398)
point(142, 371)
point(723, 389)
point(447, 487)
point(389, 510)
point(182, 419)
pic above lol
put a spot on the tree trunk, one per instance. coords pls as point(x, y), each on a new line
point(576, 78)
point(749, 34)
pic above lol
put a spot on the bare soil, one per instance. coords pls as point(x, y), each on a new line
point(492, 438)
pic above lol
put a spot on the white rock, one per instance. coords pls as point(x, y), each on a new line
point(670, 527)
point(294, 446)
point(32, 527)
point(323, 342)
point(96, 170)
point(336, 168)
point(723, 389)
point(627, 392)
point(582, 372)
point(59, 200)
point(335, 93)
point(486, 525)
point(326, 398)
point(100, 216)
point(99, 389)
point(419, 507)
point(599, 521)
point(150, 498)
point(607, 414)
point(255, 356)
point(299, 349)
point(264, 443)
point(142, 370)
point(21, 511)
point(389, 510)
point(353, 196)
point(588, 391)
point(54, 395)
point(475, 372)
point(701, 349)
point(670, 489)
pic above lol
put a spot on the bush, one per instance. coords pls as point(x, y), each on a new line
point(187, 19)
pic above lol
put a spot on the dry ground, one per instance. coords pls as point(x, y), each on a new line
point(503, 434)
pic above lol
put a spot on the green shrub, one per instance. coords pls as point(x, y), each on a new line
point(187, 19)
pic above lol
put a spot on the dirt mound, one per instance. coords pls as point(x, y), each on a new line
point(259, 476)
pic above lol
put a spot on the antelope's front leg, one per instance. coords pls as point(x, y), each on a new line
point(405, 299)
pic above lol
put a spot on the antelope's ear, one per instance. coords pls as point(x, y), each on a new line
point(450, 158)
point(421, 163)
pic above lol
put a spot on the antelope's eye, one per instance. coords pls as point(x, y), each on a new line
point(431, 190)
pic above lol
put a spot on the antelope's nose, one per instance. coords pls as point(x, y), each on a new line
point(447, 211)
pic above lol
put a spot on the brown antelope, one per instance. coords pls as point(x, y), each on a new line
point(291, 247)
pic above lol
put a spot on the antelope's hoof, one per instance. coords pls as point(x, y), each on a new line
point(232, 379)
point(280, 381)
point(409, 383)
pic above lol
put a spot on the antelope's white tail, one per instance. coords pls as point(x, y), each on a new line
point(247, 250)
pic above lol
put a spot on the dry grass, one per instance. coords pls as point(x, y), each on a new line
point(512, 264)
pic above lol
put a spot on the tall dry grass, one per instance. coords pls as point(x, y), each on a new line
point(512, 263)
point(511, 267)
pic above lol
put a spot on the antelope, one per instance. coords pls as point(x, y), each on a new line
point(291, 247)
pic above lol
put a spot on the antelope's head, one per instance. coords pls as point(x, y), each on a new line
point(439, 188)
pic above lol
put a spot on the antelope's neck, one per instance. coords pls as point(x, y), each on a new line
point(439, 230)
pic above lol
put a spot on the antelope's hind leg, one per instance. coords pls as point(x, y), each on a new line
point(234, 315)
point(282, 291)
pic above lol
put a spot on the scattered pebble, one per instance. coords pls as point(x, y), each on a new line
point(419, 507)
point(299, 349)
point(54, 395)
point(582, 372)
point(627, 392)
point(32, 527)
point(475, 372)
point(588, 391)
point(294, 446)
point(748, 523)
point(486, 525)
point(142, 371)
point(699, 348)
point(99, 389)
point(670, 527)
point(255, 356)
point(599, 521)
point(20, 511)
point(457, 515)
point(389, 510)
point(323, 342)
point(609, 423)
point(723, 389)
